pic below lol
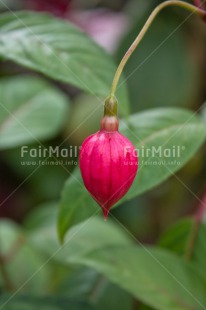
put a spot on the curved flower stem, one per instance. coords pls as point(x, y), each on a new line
point(160, 7)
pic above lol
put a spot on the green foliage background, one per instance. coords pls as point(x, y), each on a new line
point(56, 252)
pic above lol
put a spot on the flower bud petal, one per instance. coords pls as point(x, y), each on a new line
point(108, 164)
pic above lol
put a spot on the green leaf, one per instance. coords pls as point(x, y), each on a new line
point(176, 240)
point(23, 263)
point(76, 204)
point(30, 110)
point(165, 129)
point(177, 133)
point(85, 283)
point(144, 307)
point(8, 4)
point(9, 302)
point(87, 236)
point(156, 277)
point(41, 216)
point(95, 288)
point(59, 50)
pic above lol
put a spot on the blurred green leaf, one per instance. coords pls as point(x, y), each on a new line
point(9, 302)
point(177, 132)
point(23, 263)
point(95, 288)
point(42, 216)
point(76, 204)
point(176, 237)
point(85, 118)
point(84, 283)
point(30, 110)
point(4, 5)
point(47, 176)
point(176, 240)
point(144, 307)
point(86, 237)
point(59, 50)
point(156, 277)
point(162, 71)
point(167, 129)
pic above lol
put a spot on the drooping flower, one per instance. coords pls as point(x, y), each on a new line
point(108, 161)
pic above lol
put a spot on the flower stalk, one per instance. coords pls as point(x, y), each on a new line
point(192, 8)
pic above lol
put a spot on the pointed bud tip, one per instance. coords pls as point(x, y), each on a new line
point(105, 213)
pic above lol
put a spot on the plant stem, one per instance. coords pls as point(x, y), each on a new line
point(198, 219)
point(5, 275)
point(96, 290)
point(145, 28)
point(6, 258)
point(192, 240)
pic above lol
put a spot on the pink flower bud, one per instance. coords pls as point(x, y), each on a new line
point(108, 164)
